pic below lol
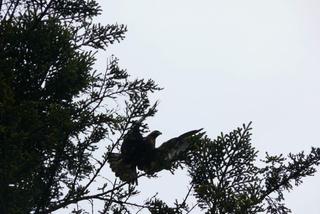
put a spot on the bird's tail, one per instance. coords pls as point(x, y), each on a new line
point(126, 172)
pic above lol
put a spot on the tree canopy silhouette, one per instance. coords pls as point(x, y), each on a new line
point(61, 121)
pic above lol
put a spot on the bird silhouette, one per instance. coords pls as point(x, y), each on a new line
point(140, 152)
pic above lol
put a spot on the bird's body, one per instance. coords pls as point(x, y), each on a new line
point(148, 150)
point(132, 146)
point(138, 151)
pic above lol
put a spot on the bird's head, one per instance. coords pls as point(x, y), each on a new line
point(155, 134)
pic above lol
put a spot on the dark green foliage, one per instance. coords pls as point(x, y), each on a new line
point(159, 207)
point(54, 109)
point(226, 178)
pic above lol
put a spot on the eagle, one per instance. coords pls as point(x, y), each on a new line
point(140, 152)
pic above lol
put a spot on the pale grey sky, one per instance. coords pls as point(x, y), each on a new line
point(224, 63)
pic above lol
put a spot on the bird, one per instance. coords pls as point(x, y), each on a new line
point(138, 152)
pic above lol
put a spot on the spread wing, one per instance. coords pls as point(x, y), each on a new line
point(124, 164)
point(125, 171)
point(171, 151)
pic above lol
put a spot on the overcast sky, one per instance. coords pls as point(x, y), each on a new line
point(224, 63)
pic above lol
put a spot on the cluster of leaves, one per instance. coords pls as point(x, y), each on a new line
point(226, 178)
point(157, 206)
point(55, 110)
